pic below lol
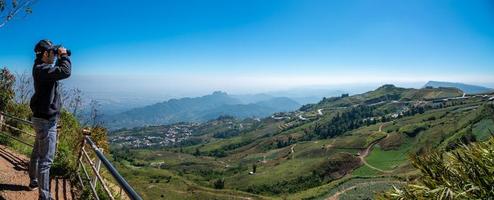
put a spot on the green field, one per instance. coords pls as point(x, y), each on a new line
point(387, 160)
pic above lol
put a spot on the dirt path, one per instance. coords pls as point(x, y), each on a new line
point(336, 196)
point(14, 179)
point(366, 151)
point(292, 151)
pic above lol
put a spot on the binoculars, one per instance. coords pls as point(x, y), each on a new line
point(69, 53)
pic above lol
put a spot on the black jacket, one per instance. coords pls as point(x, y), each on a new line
point(46, 102)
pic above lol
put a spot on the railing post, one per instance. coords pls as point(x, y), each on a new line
point(120, 192)
point(98, 166)
point(59, 129)
point(83, 140)
point(1, 121)
point(79, 157)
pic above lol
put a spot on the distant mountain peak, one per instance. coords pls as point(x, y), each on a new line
point(387, 88)
point(469, 89)
point(219, 93)
point(388, 85)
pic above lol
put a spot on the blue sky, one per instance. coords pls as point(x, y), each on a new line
point(244, 46)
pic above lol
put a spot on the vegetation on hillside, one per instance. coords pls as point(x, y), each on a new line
point(464, 173)
point(294, 156)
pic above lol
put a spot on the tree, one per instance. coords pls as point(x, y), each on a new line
point(95, 113)
point(64, 94)
point(12, 8)
point(99, 134)
point(75, 100)
point(197, 152)
point(219, 184)
point(23, 87)
point(7, 81)
point(72, 99)
point(343, 122)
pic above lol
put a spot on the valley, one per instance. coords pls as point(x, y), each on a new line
point(347, 147)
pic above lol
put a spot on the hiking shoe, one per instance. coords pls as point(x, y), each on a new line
point(33, 185)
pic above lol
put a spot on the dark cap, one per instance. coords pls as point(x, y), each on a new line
point(43, 45)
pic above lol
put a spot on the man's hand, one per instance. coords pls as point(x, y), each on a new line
point(62, 51)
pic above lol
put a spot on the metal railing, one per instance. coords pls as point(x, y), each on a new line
point(3, 122)
point(95, 166)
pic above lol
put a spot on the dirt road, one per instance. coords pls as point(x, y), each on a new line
point(14, 179)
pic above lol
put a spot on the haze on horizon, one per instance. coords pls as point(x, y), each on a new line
point(179, 48)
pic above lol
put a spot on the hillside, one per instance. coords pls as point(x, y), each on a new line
point(469, 89)
point(347, 147)
point(198, 109)
point(387, 93)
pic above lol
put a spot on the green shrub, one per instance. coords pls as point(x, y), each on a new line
point(69, 144)
point(413, 129)
point(219, 184)
point(7, 80)
point(465, 173)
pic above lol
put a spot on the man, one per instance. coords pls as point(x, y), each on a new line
point(46, 105)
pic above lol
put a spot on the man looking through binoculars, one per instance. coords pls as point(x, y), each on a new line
point(46, 105)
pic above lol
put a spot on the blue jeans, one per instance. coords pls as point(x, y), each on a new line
point(43, 154)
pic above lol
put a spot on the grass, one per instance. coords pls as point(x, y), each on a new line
point(270, 174)
point(176, 188)
point(319, 191)
point(387, 160)
point(367, 190)
point(483, 129)
point(364, 187)
point(14, 144)
point(364, 170)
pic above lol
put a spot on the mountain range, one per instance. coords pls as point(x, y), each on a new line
point(200, 109)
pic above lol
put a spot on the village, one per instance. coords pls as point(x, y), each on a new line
point(162, 137)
